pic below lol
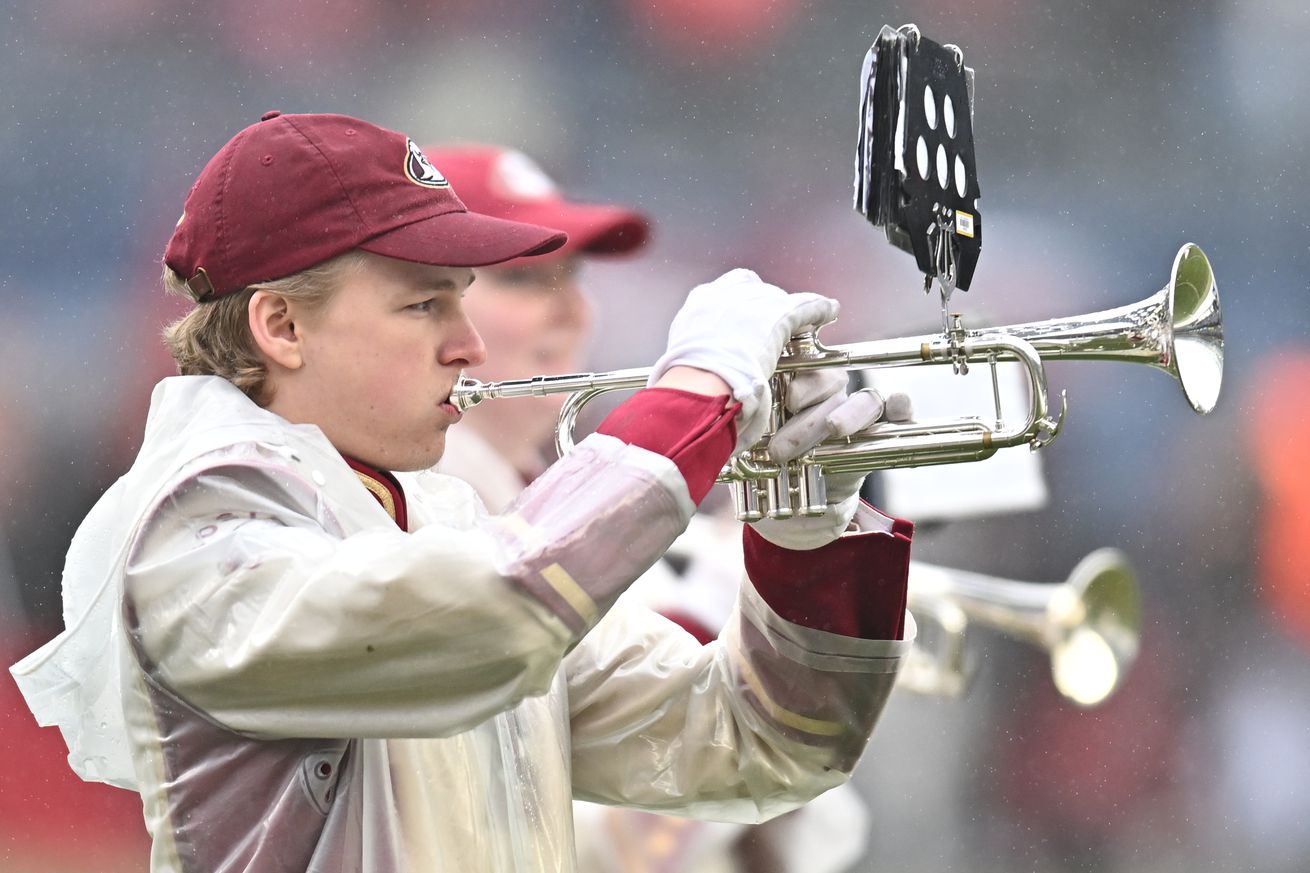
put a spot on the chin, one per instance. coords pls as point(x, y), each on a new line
point(424, 459)
point(419, 449)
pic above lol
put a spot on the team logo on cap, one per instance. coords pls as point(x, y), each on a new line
point(420, 170)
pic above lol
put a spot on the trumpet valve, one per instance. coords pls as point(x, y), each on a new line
point(811, 491)
point(780, 491)
point(746, 499)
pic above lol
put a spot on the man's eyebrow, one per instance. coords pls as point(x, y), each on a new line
point(447, 284)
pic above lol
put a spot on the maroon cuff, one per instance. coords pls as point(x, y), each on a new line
point(854, 586)
point(695, 431)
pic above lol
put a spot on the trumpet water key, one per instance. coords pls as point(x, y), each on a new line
point(1178, 330)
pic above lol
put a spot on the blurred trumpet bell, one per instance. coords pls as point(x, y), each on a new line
point(1089, 624)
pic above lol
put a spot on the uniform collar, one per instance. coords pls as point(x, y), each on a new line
point(385, 487)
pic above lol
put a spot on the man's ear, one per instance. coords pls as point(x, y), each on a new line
point(273, 326)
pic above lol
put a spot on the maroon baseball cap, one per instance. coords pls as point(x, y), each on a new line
point(294, 190)
point(508, 184)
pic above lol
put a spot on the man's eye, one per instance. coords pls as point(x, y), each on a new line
point(422, 306)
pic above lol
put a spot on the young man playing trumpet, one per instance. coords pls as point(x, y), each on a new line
point(307, 653)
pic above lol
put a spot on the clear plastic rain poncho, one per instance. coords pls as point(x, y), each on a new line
point(293, 683)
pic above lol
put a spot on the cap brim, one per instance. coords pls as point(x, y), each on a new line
point(593, 229)
point(465, 239)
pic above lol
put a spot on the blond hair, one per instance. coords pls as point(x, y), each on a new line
point(214, 339)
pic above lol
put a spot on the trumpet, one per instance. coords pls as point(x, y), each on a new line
point(1089, 625)
point(1178, 330)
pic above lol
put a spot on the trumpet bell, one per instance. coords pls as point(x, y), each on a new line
point(1178, 329)
point(1088, 625)
point(1198, 333)
point(1094, 624)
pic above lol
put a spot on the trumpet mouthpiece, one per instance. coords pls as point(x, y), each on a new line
point(467, 393)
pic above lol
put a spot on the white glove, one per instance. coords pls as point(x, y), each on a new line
point(822, 410)
point(735, 327)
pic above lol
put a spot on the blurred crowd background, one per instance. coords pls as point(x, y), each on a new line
point(1107, 135)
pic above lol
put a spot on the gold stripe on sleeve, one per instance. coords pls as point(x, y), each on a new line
point(786, 716)
point(571, 591)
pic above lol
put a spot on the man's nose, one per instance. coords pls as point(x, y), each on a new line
point(465, 348)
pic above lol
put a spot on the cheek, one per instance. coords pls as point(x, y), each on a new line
point(393, 374)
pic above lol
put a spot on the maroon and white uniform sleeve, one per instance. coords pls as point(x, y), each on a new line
point(774, 712)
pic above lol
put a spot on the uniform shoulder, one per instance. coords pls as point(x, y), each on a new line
point(248, 478)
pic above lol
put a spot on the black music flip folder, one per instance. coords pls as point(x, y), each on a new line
point(915, 173)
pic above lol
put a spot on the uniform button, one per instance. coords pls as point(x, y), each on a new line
point(324, 769)
point(319, 478)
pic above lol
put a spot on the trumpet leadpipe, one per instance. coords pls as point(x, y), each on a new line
point(470, 392)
